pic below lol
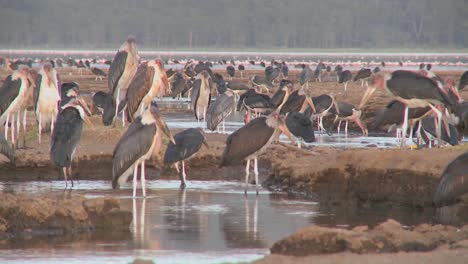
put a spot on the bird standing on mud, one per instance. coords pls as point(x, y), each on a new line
point(121, 72)
point(219, 110)
point(187, 144)
point(67, 134)
point(251, 140)
point(149, 80)
point(12, 95)
point(138, 143)
point(46, 98)
point(201, 95)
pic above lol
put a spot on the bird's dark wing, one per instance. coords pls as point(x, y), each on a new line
point(138, 88)
point(300, 126)
point(134, 143)
point(277, 98)
point(66, 136)
point(116, 70)
point(178, 84)
point(188, 142)
point(410, 85)
point(429, 125)
point(454, 181)
point(362, 73)
point(9, 91)
point(194, 96)
point(345, 76)
point(235, 85)
point(246, 141)
point(322, 102)
point(463, 81)
point(346, 109)
point(37, 89)
point(294, 103)
point(218, 110)
point(6, 150)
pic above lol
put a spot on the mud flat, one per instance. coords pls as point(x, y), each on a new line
point(23, 216)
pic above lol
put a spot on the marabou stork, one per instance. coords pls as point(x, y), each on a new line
point(413, 90)
point(282, 94)
point(454, 181)
point(201, 95)
point(147, 83)
point(306, 75)
point(348, 112)
point(12, 95)
point(98, 72)
point(68, 91)
point(178, 85)
point(338, 69)
point(324, 105)
point(103, 102)
point(7, 150)
point(392, 115)
point(318, 71)
point(121, 71)
point(284, 70)
point(220, 83)
point(256, 102)
point(428, 128)
point(297, 101)
point(251, 140)
point(301, 126)
point(241, 69)
point(363, 74)
point(137, 144)
point(262, 82)
point(461, 111)
point(67, 133)
point(221, 108)
point(345, 77)
point(46, 98)
point(463, 81)
point(271, 74)
point(187, 144)
point(231, 71)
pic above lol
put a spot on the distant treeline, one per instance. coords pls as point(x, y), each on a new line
point(235, 24)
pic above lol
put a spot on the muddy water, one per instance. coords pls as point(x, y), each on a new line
point(208, 222)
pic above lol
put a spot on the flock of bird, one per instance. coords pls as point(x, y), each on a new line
point(423, 101)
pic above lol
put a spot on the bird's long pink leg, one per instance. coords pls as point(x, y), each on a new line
point(6, 126)
point(12, 129)
point(256, 174)
point(404, 128)
point(135, 174)
point(247, 167)
point(182, 184)
point(65, 175)
point(39, 128)
point(143, 179)
point(24, 127)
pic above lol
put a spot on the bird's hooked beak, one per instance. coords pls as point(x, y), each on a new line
point(377, 81)
point(284, 128)
point(83, 104)
point(163, 126)
point(367, 95)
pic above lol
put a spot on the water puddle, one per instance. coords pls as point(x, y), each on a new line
point(209, 222)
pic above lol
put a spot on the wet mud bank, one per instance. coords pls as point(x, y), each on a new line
point(362, 177)
point(26, 217)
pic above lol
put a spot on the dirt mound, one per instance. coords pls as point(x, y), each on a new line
point(387, 237)
point(22, 214)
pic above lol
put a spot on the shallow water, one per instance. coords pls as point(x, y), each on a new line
point(208, 222)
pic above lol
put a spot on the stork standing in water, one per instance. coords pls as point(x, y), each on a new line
point(251, 140)
point(297, 101)
point(219, 110)
point(347, 112)
point(187, 144)
point(413, 90)
point(12, 96)
point(324, 105)
point(454, 181)
point(46, 98)
point(138, 143)
point(201, 95)
point(301, 126)
point(67, 133)
point(149, 80)
point(121, 72)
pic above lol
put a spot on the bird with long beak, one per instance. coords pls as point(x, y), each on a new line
point(411, 89)
point(12, 99)
point(149, 81)
point(251, 140)
point(67, 134)
point(138, 143)
point(46, 97)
